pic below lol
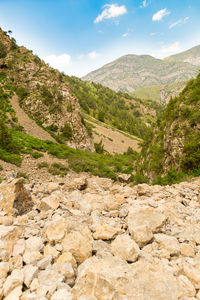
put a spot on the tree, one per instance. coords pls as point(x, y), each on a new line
point(6, 141)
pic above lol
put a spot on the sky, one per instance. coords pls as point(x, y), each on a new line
point(79, 36)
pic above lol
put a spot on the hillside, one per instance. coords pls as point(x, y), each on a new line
point(132, 72)
point(42, 93)
point(160, 93)
point(191, 56)
point(120, 110)
point(173, 147)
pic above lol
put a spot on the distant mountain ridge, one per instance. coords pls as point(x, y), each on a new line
point(132, 72)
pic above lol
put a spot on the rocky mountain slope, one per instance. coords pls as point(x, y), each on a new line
point(191, 56)
point(174, 144)
point(132, 72)
point(86, 238)
point(120, 110)
point(43, 93)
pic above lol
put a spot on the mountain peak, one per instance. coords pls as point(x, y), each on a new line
point(131, 72)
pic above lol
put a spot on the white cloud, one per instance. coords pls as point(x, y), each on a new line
point(175, 24)
point(144, 3)
point(153, 33)
point(111, 11)
point(185, 20)
point(180, 21)
point(160, 14)
point(174, 47)
point(125, 34)
point(58, 61)
point(93, 55)
point(81, 56)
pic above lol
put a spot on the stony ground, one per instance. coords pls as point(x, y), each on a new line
point(86, 238)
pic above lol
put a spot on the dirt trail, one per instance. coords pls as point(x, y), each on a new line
point(29, 125)
point(113, 140)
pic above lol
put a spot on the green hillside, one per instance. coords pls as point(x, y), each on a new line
point(120, 110)
point(160, 93)
point(173, 147)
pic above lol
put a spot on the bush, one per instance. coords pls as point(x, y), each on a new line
point(58, 169)
point(36, 155)
point(42, 165)
point(99, 147)
point(22, 93)
point(6, 140)
point(21, 175)
point(67, 131)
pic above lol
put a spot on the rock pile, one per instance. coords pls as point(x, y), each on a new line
point(88, 238)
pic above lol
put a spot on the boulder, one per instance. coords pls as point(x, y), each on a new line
point(55, 230)
point(14, 197)
point(15, 294)
point(168, 243)
point(112, 278)
point(123, 246)
point(50, 202)
point(125, 178)
point(14, 280)
point(62, 294)
point(78, 244)
point(143, 222)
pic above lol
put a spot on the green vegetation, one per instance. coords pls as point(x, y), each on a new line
point(58, 169)
point(119, 110)
point(180, 123)
point(66, 131)
point(103, 165)
point(42, 165)
point(99, 147)
point(159, 93)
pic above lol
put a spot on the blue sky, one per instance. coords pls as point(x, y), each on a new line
point(78, 36)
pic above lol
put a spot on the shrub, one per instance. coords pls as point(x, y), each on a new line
point(6, 140)
point(21, 174)
point(67, 131)
point(58, 169)
point(37, 155)
point(101, 116)
point(42, 165)
point(99, 147)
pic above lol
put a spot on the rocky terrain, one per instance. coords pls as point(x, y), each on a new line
point(174, 145)
point(132, 72)
point(84, 237)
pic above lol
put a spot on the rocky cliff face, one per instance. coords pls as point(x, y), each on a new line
point(86, 238)
point(44, 94)
point(175, 142)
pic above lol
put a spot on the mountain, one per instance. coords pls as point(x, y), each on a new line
point(42, 93)
point(132, 72)
point(173, 147)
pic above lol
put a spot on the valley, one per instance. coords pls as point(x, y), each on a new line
point(100, 180)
